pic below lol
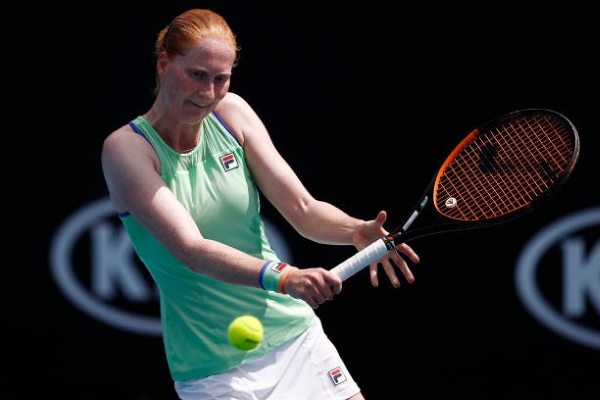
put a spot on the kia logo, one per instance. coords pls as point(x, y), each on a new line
point(94, 265)
point(568, 241)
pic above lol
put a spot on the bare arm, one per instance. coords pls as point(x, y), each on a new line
point(314, 219)
point(130, 168)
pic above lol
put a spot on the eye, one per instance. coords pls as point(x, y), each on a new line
point(198, 75)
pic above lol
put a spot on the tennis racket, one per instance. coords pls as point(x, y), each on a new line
point(501, 170)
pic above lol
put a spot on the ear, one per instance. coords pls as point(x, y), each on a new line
point(161, 63)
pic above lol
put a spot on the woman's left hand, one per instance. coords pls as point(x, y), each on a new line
point(371, 232)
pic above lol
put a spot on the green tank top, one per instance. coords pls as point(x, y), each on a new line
point(214, 184)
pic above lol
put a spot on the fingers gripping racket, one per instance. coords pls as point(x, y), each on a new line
point(501, 170)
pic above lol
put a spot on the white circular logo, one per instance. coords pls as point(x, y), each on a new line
point(451, 202)
point(580, 277)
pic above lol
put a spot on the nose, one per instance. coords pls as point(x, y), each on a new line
point(206, 90)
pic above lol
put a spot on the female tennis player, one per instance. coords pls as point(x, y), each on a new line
point(185, 178)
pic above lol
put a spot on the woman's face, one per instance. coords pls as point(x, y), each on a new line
point(193, 83)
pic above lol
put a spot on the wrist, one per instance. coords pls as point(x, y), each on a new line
point(273, 275)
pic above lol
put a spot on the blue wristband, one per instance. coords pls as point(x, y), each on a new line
point(270, 274)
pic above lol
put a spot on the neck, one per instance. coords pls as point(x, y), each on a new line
point(182, 138)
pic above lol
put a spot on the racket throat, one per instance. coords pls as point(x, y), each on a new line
point(415, 214)
point(410, 220)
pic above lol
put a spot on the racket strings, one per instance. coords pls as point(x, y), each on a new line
point(505, 168)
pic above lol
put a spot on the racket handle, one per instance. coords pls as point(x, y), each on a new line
point(366, 256)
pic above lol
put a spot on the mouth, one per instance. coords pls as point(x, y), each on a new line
point(198, 105)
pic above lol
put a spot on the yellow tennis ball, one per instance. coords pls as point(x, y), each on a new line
point(245, 332)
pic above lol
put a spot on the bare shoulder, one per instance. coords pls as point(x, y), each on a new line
point(125, 146)
point(232, 99)
point(233, 105)
point(128, 160)
point(117, 136)
point(122, 137)
point(237, 114)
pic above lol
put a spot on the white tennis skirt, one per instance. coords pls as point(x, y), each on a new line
point(306, 368)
